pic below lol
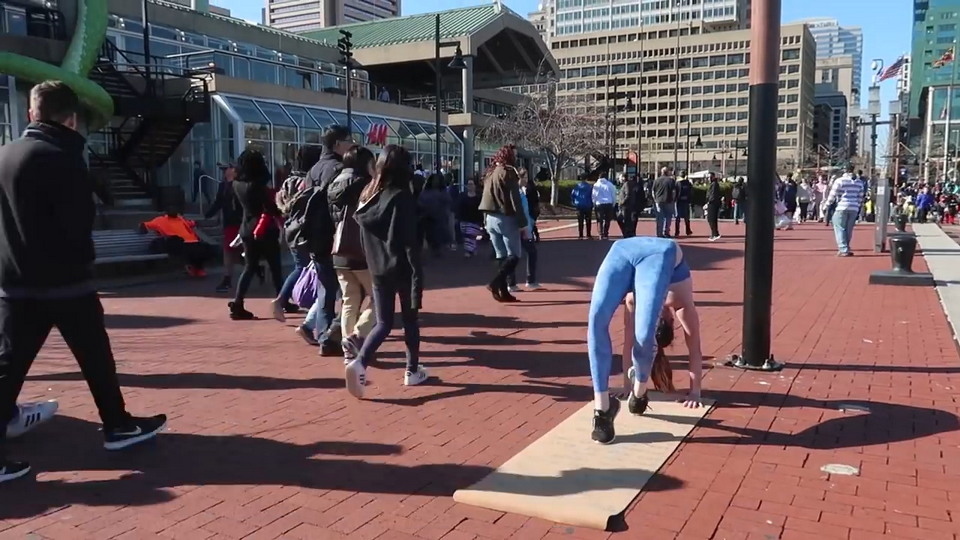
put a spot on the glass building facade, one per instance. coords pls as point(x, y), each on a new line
point(237, 122)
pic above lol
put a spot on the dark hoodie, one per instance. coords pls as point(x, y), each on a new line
point(388, 231)
point(343, 195)
point(46, 215)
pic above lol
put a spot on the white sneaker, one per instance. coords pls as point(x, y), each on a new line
point(277, 307)
point(533, 286)
point(31, 415)
point(306, 336)
point(513, 288)
point(712, 239)
point(415, 378)
point(356, 378)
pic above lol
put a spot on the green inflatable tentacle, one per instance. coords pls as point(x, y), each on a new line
point(81, 56)
point(88, 36)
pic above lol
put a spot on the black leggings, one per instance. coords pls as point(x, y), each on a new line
point(384, 302)
point(254, 251)
point(584, 218)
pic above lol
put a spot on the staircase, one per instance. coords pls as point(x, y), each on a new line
point(154, 112)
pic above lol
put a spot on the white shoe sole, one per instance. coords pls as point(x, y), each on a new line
point(278, 313)
point(354, 382)
point(415, 381)
point(15, 430)
point(14, 476)
point(126, 443)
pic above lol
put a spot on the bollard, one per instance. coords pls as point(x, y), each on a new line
point(902, 250)
point(900, 223)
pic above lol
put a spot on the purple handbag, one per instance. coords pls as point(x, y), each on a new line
point(305, 290)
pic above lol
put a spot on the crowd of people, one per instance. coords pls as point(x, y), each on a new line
point(355, 224)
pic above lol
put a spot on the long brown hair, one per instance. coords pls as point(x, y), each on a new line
point(662, 373)
point(393, 170)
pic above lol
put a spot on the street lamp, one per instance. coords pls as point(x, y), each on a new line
point(456, 63)
point(345, 46)
point(698, 144)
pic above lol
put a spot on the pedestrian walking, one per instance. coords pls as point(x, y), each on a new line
point(604, 196)
point(46, 256)
point(684, 205)
point(664, 201)
point(582, 200)
point(714, 202)
point(846, 195)
point(505, 218)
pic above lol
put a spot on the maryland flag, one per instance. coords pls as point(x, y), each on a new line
point(945, 59)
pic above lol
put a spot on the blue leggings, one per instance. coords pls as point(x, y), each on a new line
point(645, 266)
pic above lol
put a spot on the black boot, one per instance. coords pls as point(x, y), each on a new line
point(237, 312)
point(507, 267)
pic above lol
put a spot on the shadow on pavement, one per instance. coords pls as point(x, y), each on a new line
point(885, 423)
point(148, 474)
point(119, 321)
point(214, 381)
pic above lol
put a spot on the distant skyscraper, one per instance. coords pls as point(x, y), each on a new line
point(834, 40)
point(306, 15)
point(568, 17)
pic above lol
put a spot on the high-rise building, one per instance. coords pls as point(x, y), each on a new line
point(690, 93)
point(570, 17)
point(834, 40)
point(306, 15)
point(935, 30)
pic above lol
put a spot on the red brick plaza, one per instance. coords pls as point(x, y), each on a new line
point(264, 442)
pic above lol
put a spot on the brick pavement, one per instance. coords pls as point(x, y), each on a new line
point(265, 443)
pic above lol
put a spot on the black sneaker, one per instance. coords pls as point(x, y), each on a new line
point(290, 307)
point(603, 431)
point(11, 470)
point(638, 405)
point(331, 349)
point(237, 312)
point(134, 431)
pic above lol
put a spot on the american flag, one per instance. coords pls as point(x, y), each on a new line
point(894, 69)
point(945, 59)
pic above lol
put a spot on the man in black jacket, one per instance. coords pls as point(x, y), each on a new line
point(46, 258)
point(337, 140)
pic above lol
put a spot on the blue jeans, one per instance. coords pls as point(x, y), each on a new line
point(504, 235)
point(843, 223)
point(739, 211)
point(665, 213)
point(301, 258)
point(320, 320)
point(384, 302)
point(644, 266)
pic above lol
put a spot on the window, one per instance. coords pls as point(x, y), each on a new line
point(790, 54)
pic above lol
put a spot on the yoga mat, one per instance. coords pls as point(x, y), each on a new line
point(565, 477)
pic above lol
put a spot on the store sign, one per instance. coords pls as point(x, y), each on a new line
point(377, 134)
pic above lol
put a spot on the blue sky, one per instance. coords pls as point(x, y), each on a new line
point(886, 29)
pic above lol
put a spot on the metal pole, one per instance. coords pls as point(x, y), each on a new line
point(438, 97)
point(676, 113)
point(643, 37)
point(613, 134)
point(928, 143)
point(762, 166)
point(145, 21)
point(349, 96)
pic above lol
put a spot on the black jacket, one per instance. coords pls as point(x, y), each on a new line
point(46, 214)
point(343, 194)
point(226, 203)
point(255, 199)
point(533, 199)
point(714, 195)
point(388, 232)
point(326, 169)
point(684, 192)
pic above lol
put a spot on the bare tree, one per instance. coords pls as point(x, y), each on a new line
point(550, 124)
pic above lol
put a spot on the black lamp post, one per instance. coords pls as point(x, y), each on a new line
point(456, 63)
point(346, 60)
point(698, 144)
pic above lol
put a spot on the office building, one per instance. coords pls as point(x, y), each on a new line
point(834, 40)
point(935, 30)
point(227, 85)
point(572, 17)
point(307, 15)
point(834, 84)
point(833, 134)
point(687, 89)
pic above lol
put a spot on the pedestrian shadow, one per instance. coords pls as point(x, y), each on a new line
point(475, 320)
point(883, 423)
point(125, 321)
point(151, 473)
point(449, 390)
point(481, 337)
point(212, 381)
point(879, 368)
